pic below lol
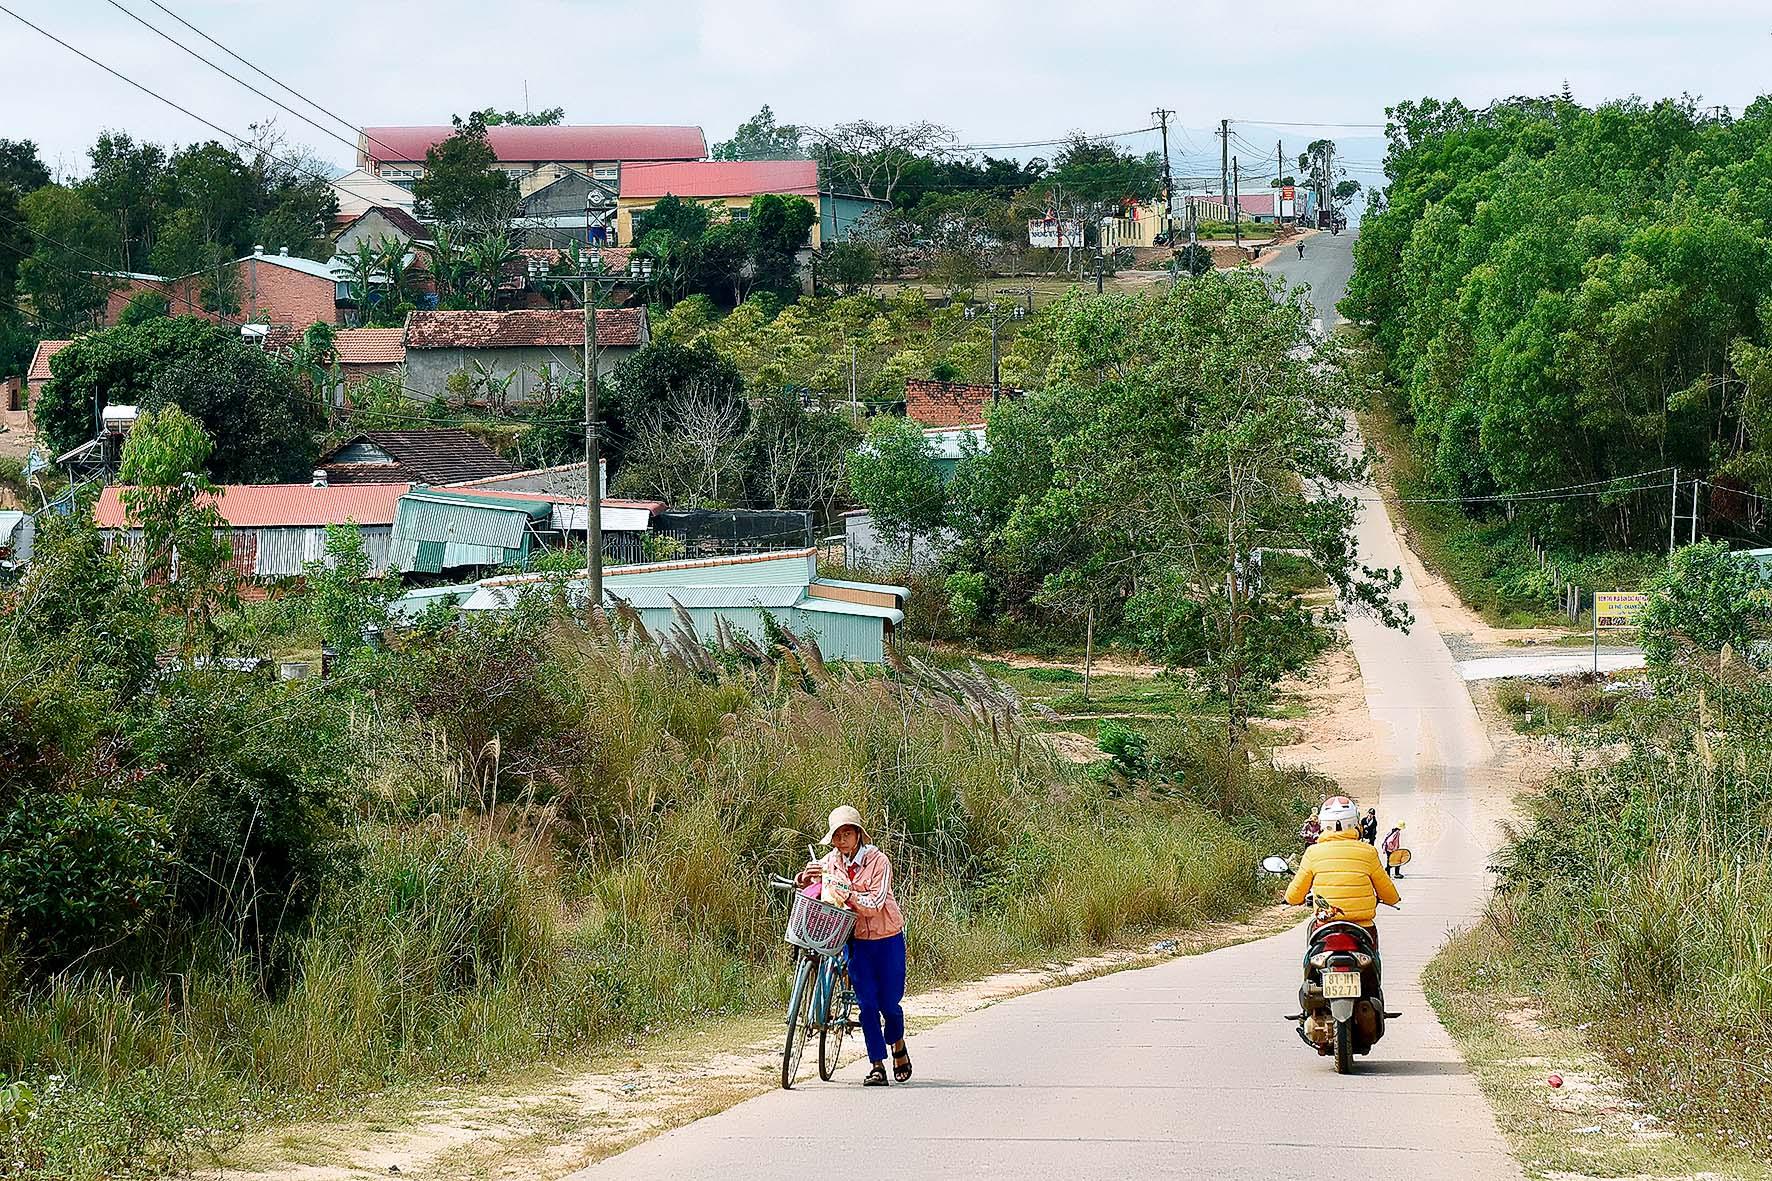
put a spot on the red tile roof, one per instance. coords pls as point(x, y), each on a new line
point(39, 370)
point(369, 346)
point(251, 506)
point(542, 328)
point(546, 145)
point(948, 403)
point(721, 178)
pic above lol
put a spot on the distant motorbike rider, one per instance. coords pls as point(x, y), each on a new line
point(1342, 870)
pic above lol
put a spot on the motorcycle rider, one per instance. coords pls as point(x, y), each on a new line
point(1342, 870)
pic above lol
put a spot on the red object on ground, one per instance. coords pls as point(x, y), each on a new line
point(1555, 1080)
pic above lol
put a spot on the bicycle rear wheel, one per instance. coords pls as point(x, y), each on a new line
point(799, 1020)
point(834, 1026)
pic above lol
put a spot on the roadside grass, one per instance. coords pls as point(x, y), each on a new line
point(1488, 562)
point(1515, 1028)
point(560, 844)
point(1542, 707)
point(1635, 903)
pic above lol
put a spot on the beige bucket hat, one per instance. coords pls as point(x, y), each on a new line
point(845, 816)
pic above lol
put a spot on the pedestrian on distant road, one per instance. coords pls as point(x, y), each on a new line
point(876, 950)
point(1369, 826)
point(1301, 249)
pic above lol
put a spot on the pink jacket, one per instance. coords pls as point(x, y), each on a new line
point(876, 907)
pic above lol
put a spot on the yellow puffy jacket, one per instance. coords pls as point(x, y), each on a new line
point(1346, 873)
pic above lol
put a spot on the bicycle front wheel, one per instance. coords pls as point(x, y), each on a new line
point(833, 1026)
point(799, 1020)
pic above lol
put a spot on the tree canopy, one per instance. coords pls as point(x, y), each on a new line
point(1562, 295)
point(761, 138)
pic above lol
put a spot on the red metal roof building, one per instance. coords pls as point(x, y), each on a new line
point(722, 178)
point(398, 153)
point(255, 506)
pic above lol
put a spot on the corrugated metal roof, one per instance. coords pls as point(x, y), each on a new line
point(655, 597)
point(722, 178)
point(903, 592)
point(513, 144)
point(839, 607)
point(250, 506)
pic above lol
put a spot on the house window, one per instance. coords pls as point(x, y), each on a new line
point(400, 173)
point(605, 172)
point(740, 214)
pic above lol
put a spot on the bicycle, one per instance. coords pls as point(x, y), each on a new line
point(822, 999)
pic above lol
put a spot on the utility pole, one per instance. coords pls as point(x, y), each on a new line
point(1224, 157)
point(1162, 118)
point(1695, 483)
point(1279, 178)
point(1236, 205)
point(1329, 178)
point(593, 279)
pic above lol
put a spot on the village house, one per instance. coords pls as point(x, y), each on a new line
point(522, 348)
point(380, 223)
point(534, 157)
point(437, 455)
point(39, 372)
point(275, 529)
point(951, 403)
point(360, 190)
point(279, 289)
point(849, 620)
point(365, 352)
point(729, 185)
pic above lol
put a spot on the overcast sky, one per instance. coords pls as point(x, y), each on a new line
point(993, 70)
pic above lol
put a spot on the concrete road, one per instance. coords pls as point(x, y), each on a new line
point(1327, 265)
point(1184, 1069)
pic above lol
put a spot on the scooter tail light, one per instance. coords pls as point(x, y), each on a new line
point(1340, 943)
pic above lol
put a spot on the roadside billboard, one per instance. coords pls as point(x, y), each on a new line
point(1054, 233)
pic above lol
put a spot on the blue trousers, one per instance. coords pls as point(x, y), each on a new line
point(876, 969)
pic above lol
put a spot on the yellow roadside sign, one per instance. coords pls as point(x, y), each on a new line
point(1614, 610)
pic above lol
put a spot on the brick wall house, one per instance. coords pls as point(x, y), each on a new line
point(518, 345)
point(271, 288)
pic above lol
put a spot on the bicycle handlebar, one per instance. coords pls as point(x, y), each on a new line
point(777, 882)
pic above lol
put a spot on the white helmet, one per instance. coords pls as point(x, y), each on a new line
point(1338, 813)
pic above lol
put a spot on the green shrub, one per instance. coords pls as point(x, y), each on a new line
point(79, 875)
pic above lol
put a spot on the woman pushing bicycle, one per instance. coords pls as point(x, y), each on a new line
point(859, 876)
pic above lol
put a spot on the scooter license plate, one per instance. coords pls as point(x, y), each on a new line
point(1341, 985)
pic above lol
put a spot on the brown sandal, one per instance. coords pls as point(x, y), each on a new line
point(901, 1063)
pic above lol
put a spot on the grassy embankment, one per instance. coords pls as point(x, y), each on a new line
point(1635, 916)
point(1489, 562)
point(556, 840)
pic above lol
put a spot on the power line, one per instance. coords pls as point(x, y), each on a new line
point(171, 40)
point(183, 110)
point(262, 73)
point(1284, 123)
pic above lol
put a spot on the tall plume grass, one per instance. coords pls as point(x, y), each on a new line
point(562, 834)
